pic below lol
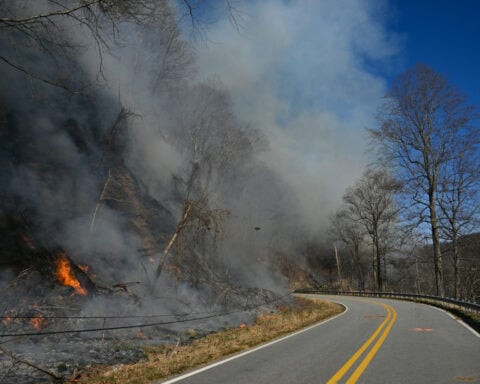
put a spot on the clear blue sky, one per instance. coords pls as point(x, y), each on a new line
point(444, 34)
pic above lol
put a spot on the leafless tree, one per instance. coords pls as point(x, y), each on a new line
point(209, 136)
point(194, 214)
point(214, 145)
point(421, 116)
point(458, 198)
point(371, 204)
point(352, 235)
point(57, 33)
point(51, 30)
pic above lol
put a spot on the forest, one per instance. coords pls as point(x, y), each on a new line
point(132, 195)
point(155, 181)
point(134, 185)
point(135, 189)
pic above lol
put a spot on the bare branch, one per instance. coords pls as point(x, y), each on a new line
point(30, 364)
point(35, 18)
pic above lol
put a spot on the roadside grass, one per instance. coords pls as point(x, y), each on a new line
point(470, 318)
point(167, 360)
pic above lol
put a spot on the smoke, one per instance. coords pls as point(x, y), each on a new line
point(109, 137)
point(305, 74)
point(107, 171)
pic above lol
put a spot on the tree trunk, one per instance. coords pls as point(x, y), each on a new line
point(384, 278)
point(456, 265)
point(361, 275)
point(338, 268)
point(99, 202)
point(417, 277)
point(437, 252)
point(378, 264)
point(179, 228)
point(374, 269)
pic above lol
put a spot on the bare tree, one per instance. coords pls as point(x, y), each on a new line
point(59, 32)
point(213, 146)
point(200, 14)
point(371, 204)
point(194, 214)
point(417, 123)
point(458, 198)
point(52, 31)
point(209, 136)
point(351, 234)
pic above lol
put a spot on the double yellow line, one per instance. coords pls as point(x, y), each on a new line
point(387, 324)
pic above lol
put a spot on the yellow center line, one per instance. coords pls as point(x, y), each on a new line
point(363, 365)
point(391, 317)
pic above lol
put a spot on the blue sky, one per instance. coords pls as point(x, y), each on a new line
point(444, 34)
point(310, 74)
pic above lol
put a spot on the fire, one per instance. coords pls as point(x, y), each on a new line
point(6, 320)
point(38, 322)
point(66, 276)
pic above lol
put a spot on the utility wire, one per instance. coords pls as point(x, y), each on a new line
point(143, 325)
point(108, 317)
point(109, 328)
point(130, 316)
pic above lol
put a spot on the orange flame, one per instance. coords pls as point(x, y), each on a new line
point(66, 276)
point(6, 320)
point(38, 322)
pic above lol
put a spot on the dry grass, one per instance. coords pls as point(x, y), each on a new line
point(164, 361)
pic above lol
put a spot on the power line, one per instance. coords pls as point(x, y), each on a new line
point(88, 317)
point(143, 325)
point(107, 317)
point(109, 328)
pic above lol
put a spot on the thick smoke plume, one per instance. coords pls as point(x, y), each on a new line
point(303, 72)
point(114, 155)
point(169, 176)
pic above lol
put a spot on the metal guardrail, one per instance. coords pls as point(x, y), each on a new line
point(434, 300)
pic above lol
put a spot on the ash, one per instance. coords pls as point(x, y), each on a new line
point(62, 356)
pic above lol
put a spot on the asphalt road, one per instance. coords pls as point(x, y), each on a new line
point(374, 341)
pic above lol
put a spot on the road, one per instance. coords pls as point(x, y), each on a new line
point(373, 341)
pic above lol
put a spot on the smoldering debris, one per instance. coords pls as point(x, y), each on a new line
point(64, 332)
point(105, 138)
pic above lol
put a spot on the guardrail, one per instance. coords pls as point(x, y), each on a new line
point(443, 302)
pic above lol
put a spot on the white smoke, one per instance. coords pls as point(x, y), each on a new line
point(304, 73)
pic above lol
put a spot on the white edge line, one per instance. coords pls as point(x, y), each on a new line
point(210, 366)
point(457, 320)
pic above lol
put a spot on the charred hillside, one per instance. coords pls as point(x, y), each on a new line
point(90, 241)
point(127, 189)
point(69, 191)
point(128, 186)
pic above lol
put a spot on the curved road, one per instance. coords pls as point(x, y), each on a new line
point(373, 341)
